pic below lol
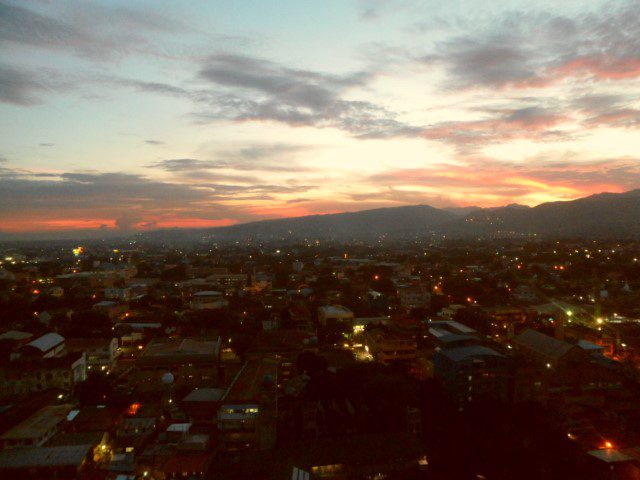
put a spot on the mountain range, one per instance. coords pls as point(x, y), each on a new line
point(601, 215)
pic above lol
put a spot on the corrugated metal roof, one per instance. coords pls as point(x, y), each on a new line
point(543, 344)
point(47, 342)
point(29, 457)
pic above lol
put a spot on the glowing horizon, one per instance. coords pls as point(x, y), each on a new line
point(125, 119)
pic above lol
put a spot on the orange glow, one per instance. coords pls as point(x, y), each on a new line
point(607, 444)
point(133, 408)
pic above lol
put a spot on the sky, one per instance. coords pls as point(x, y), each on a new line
point(125, 116)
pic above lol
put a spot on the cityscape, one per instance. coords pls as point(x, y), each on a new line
point(342, 240)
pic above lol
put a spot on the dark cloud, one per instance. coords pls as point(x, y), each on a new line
point(96, 31)
point(154, 142)
point(261, 157)
point(126, 196)
point(19, 87)
point(295, 97)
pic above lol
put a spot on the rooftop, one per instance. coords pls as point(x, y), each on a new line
point(205, 395)
point(452, 326)
point(186, 346)
point(29, 457)
point(15, 335)
point(610, 455)
point(543, 344)
point(331, 310)
point(472, 351)
point(208, 293)
point(248, 384)
point(39, 423)
point(46, 342)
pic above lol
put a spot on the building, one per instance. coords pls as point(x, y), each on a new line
point(364, 456)
point(208, 300)
point(388, 346)
point(101, 353)
point(332, 315)
point(229, 282)
point(247, 415)
point(202, 404)
point(472, 372)
point(36, 430)
point(34, 375)
point(413, 296)
point(61, 462)
point(192, 363)
point(47, 346)
point(547, 350)
point(449, 333)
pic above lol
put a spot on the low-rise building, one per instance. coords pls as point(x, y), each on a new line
point(332, 315)
point(36, 430)
point(101, 353)
point(208, 300)
point(391, 346)
point(34, 375)
point(62, 462)
point(413, 296)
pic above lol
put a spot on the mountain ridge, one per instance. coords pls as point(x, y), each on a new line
point(597, 215)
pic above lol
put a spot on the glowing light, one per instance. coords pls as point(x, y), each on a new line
point(78, 251)
point(607, 444)
point(133, 408)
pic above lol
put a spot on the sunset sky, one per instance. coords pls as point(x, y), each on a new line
point(121, 116)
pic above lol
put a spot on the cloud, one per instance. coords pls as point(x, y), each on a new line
point(532, 49)
point(498, 182)
point(262, 90)
point(77, 30)
point(46, 144)
point(17, 87)
point(609, 110)
point(276, 157)
point(124, 201)
point(154, 142)
point(532, 122)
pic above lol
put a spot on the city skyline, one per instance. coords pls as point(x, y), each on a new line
point(122, 119)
